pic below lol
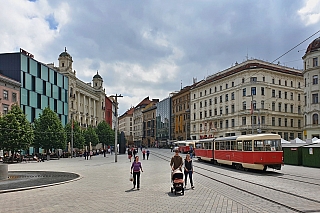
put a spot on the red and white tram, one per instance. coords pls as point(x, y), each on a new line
point(244, 151)
point(184, 146)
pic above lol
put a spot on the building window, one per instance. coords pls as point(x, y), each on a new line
point(232, 108)
point(194, 116)
point(262, 90)
point(285, 122)
point(5, 109)
point(242, 80)
point(285, 83)
point(210, 101)
point(220, 98)
point(215, 100)
point(279, 121)
point(315, 119)
point(273, 106)
point(299, 109)
point(262, 104)
point(194, 106)
point(14, 97)
point(253, 79)
point(227, 123)
point(232, 84)
point(315, 62)
point(244, 105)
point(279, 94)
point(285, 107)
point(291, 108)
point(227, 97)
point(244, 92)
point(205, 103)
point(232, 96)
point(298, 97)
point(273, 81)
point(299, 85)
point(200, 104)
point(279, 82)
point(299, 123)
point(200, 94)
point(205, 114)
point(227, 110)
point(273, 121)
point(315, 79)
point(279, 107)
point(291, 84)
point(210, 113)
point(205, 92)
point(200, 115)
point(285, 95)
point(291, 96)
point(194, 96)
point(220, 88)
point(315, 98)
point(244, 121)
point(5, 94)
point(253, 91)
point(215, 89)
point(226, 86)
point(215, 111)
point(220, 110)
point(232, 122)
point(263, 79)
point(62, 64)
point(221, 126)
point(263, 119)
point(273, 93)
point(291, 122)
point(210, 91)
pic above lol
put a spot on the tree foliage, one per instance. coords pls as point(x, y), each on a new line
point(16, 132)
point(102, 132)
point(90, 135)
point(49, 132)
point(78, 139)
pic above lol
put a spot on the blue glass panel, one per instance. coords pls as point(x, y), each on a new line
point(33, 67)
point(51, 100)
point(66, 108)
point(28, 81)
point(48, 92)
point(39, 86)
point(51, 76)
point(66, 82)
point(55, 92)
point(63, 95)
point(24, 63)
point(33, 99)
point(44, 73)
point(38, 113)
point(44, 101)
point(60, 80)
point(24, 96)
point(60, 107)
point(27, 110)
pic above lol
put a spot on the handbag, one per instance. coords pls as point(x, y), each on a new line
point(131, 178)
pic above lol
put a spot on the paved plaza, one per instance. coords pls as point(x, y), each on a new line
point(104, 186)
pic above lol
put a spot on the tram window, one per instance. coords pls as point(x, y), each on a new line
point(273, 145)
point(258, 145)
point(247, 145)
point(209, 145)
point(227, 145)
point(199, 146)
point(233, 145)
point(239, 145)
point(222, 146)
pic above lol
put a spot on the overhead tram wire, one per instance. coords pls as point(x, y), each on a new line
point(288, 51)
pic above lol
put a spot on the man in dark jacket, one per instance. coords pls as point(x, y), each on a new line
point(176, 161)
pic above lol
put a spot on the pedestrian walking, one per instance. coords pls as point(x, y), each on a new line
point(136, 167)
point(176, 161)
point(144, 154)
point(148, 153)
point(129, 154)
point(188, 171)
point(134, 152)
point(191, 151)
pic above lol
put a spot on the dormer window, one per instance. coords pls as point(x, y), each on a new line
point(62, 64)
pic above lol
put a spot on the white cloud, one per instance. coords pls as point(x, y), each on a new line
point(310, 13)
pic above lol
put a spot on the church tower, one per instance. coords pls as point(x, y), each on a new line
point(65, 62)
point(97, 81)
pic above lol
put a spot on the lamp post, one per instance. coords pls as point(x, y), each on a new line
point(116, 126)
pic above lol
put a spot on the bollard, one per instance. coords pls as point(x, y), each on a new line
point(3, 171)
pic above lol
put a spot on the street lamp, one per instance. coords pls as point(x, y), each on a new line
point(116, 126)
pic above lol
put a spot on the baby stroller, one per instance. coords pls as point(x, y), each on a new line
point(177, 182)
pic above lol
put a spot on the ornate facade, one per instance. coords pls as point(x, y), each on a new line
point(311, 75)
point(251, 97)
point(126, 125)
point(86, 100)
point(149, 125)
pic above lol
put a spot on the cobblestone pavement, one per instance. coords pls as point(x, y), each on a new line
point(104, 186)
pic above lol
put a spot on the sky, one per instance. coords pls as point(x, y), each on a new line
point(152, 48)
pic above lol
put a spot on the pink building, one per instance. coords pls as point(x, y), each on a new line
point(9, 93)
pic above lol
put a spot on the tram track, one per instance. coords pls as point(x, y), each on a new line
point(310, 204)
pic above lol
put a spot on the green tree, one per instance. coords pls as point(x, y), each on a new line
point(16, 132)
point(102, 132)
point(78, 139)
point(49, 132)
point(110, 136)
point(90, 135)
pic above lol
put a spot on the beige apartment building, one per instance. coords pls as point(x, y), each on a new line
point(149, 125)
point(86, 100)
point(311, 75)
point(251, 97)
point(181, 114)
point(126, 125)
point(10, 90)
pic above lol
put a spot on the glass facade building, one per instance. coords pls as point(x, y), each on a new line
point(163, 120)
point(41, 86)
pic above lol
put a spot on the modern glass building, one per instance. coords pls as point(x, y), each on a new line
point(41, 86)
point(163, 120)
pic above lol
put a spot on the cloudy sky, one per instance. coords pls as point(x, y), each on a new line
point(148, 48)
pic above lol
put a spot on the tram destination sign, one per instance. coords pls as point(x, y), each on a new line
point(26, 53)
